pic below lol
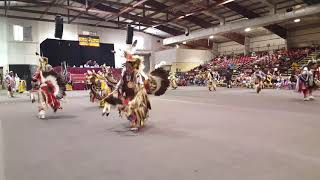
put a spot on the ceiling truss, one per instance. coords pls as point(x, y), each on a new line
point(171, 17)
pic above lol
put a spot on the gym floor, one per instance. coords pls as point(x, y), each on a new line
point(191, 134)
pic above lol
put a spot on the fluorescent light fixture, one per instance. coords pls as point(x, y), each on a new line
point(180, 17)
point(297, 20)
point(211, 37)
point(247, 29)
point(226, 2)
point(298, 6)
point(184, 42)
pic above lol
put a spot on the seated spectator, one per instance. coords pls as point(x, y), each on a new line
point(89, 63)
point(95, 64)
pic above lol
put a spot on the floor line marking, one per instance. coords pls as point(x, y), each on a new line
point(233, 107)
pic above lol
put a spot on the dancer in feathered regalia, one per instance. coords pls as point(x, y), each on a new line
point(10, 82)
point(259, 76)
point(49, 86)
point(131, 92)
point(213, 78)
point(306, 81)
point(101, 84)
point(173, 80)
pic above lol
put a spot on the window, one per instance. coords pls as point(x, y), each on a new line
point(21, 33)
point(27, 33)
point(17, 33)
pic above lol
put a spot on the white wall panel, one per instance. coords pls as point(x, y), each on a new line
point(169, 56)
point(3, 43)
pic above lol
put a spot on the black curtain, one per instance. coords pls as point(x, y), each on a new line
point(58, 51)
point(24, 73)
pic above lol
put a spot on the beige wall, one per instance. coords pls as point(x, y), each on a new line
point(183, 66)
point(230, 48)
point(261, 43)
point(304, 38)
point(193, 56)
point(184, 59)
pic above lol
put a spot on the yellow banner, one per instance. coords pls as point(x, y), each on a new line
point(89, 41)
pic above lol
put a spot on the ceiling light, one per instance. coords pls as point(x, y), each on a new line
point(184, 42)
point(211, 37)
point(180, 17)
point(226, 2)
point(247, 29)
point(297, 20)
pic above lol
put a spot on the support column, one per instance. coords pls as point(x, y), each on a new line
point(287, 43)
point(215, 50)
point(222, 21)
point(246, 45)
point(273, 9)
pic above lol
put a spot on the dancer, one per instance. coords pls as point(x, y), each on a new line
point(228, 76)
point(213, 78)
point(101, 84)
point(131, 91)
point(49, 86)
point(259, 79)
point(10, 81)
point(173, 80)
point(306, 81)
point(210, 80)
point(268, 81)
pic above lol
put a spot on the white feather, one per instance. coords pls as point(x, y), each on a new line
point(54, 82)
point(158, 81)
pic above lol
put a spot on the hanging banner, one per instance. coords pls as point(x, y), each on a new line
point(86, 40)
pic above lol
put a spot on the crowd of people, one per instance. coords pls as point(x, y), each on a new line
point(271, 68)
point(264, 59)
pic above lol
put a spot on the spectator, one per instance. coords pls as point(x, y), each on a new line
point(95, 64)
point(89, 63)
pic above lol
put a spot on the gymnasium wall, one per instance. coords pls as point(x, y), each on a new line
point(183, 59)
point(267, 43)
point(22, 52)
point(231, 47)
point(304, 37)
point(3, 44)
point(169, 56)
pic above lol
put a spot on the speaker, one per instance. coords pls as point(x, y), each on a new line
point(129, 35)
point(187, 31)
point(289, 9)
point(59, 27)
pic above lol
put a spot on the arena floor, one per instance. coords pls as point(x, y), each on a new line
point(192, 134)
